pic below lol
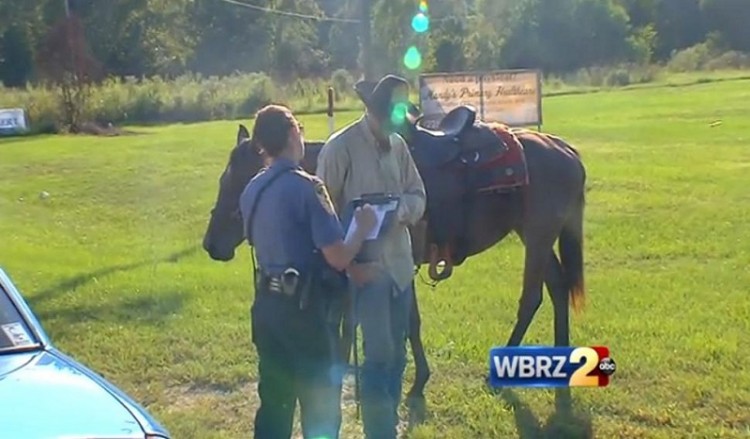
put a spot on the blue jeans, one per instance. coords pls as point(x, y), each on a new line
point(383, 312)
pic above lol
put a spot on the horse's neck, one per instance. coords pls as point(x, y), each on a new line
point(310, 162)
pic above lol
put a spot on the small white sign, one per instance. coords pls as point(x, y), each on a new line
point(12, 120)
point(17, 334)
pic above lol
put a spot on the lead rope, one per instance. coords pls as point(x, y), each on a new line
point(255, 271)
point(432, 283)
point(355, 346)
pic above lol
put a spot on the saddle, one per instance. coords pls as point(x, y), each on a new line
point(454, 139)
point(454, 123)
point(493, 155)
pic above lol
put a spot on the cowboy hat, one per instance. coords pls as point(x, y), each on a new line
point(377, 96)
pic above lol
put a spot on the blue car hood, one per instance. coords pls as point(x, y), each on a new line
point(42, 396)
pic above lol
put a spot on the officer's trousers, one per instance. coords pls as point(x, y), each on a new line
point(298, 361)
point(383, 312)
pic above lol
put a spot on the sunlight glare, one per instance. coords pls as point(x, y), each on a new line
point(412, 58)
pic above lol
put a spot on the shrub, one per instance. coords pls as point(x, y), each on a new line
point(342, 82)
point(691, 59)
point(188, 98)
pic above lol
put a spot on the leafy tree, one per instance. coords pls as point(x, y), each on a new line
point(151, 36)
point(392, 34)
point(342, 43)
point(679, 24)
point(171, 37)
point(65, 60)
point(446, 37)
point(21, 27)
point(731, 19)
point(294, 45)
point(489, 29)
point(230, 38)
point(16, 57)
point(642, 13)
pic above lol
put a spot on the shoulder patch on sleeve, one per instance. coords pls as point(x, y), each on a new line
point(304, 175)
point(322, 193)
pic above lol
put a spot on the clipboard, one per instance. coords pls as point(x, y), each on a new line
point(386, 207)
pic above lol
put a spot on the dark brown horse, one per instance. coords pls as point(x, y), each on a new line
point(462, 218)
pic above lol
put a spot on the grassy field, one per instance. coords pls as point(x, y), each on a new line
point(111, 262)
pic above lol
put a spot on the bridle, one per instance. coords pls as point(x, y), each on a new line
point(235, 214)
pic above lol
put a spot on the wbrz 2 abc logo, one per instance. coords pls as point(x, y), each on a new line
point(534, 366)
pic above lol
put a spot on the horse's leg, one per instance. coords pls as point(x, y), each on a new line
point(558, 293)
point(415, 399)
point(565, 276)
point(538, 242)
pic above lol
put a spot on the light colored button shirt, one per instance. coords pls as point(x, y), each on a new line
point(352, 163)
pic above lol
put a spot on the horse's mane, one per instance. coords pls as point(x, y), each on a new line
point(521, 133)
point(506, 133)
point(239, 151)
point(499, 126)
point(496, 125)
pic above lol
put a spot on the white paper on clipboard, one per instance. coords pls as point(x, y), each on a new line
point(380, 211)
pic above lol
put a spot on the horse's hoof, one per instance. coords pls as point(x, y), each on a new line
point(417, 406)
point(487, 380)
point(490, 387)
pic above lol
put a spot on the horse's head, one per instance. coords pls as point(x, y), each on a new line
point(225, 229)
point(444, 158)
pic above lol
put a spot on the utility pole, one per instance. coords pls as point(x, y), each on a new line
point(69, 37)
point(365, 39)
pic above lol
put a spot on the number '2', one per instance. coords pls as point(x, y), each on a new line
point(581, 376)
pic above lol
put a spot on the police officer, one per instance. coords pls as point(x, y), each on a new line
point(291, 224)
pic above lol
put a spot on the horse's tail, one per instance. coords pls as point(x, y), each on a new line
point(570, 246)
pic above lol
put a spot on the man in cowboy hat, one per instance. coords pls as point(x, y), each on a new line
point(366, 157)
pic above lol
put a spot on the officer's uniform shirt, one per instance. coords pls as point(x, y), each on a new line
point(294, 216)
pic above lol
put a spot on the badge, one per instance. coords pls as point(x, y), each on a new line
point(323, 197)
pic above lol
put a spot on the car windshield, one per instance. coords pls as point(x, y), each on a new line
point(14, 331)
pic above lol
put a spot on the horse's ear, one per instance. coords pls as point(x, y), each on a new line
point(242, 134)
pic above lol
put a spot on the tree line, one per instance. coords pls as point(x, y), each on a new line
point(143, 38)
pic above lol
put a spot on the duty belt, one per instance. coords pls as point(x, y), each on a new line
point(285, 284)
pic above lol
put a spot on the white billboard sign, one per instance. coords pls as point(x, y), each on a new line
point(512, 97)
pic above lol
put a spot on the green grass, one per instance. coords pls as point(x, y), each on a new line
point(111, 263)
point(650, 77)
